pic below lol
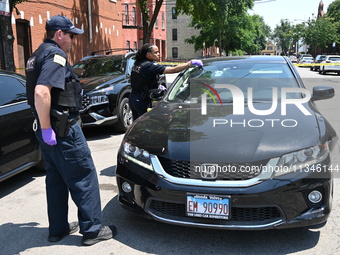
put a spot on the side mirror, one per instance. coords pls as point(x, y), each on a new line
point(322, 92)
point(156, 94)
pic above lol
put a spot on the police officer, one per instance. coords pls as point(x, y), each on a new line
point(145, 74)
point(54, 94)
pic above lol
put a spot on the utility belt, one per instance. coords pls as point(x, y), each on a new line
point(61, 122)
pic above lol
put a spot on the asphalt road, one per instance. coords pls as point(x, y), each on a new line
point(23, 221)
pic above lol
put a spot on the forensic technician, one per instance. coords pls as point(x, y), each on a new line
point(145, 75)
point(54, 94)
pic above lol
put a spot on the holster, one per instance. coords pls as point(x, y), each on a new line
point(60, 122)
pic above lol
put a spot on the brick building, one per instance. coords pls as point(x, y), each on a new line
point(179, 29)
point(133, 27)
point(107, 24)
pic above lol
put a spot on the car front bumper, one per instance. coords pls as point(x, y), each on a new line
point(97, 114)
point(269, 204)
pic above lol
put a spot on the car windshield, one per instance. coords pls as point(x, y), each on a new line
point(99, 66)
point(257, 79)
point(334, 58)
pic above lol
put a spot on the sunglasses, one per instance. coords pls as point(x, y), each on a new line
point(72, 35)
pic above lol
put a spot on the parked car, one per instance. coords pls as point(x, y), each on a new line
point(301, 56)
point(332, 64)
point(105, 80)
point(219, 152)
point(292, 58)
point(306, 60)
point(19, 146)
point(318, 60)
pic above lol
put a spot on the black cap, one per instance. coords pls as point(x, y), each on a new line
point(63, 23)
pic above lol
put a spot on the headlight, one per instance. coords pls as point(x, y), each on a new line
point(137, 155)
point(100, 96)
point(299, 160)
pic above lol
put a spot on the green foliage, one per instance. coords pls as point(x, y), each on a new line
point(143, 8)
point(283, 35)
point(225, 23)
point(321, 33)
point(334, 11)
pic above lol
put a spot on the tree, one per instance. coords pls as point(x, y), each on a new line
point(147, 23)
point(217, 17)
point(283, 35)
point(321, 33)
point(261, 32)
point(7, 38)
point(333, 11)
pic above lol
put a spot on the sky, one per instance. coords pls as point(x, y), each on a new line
point(274, 10)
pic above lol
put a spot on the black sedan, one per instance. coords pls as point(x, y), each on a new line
point(19, 146)
point(236, 145)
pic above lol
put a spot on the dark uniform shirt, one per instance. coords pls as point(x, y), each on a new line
point(50, 67)
point(145, 76)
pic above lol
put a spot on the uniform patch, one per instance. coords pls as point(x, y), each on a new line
point(31, 63)
point(59, 59)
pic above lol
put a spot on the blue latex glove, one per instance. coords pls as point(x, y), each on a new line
point(49, 136)
point(197, 62)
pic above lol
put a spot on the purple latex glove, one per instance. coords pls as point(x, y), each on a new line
point(161, 87)
point(49, 136)
point(197, 62)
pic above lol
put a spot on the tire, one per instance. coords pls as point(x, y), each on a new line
point(125, 116)
point(312, 69)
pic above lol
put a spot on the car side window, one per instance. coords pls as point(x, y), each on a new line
point(12, 90)
point(129, 64)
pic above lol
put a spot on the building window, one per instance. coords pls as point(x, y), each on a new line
point(174, 34)
point(134, 16)
point(135, 45)
point(126, 14)
point(175, 52)
point(270, 48)
point(174, 16)
point(163, 20)
point(156, 23)
point(128, 45)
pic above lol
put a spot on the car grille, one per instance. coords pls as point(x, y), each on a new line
point(86, 101)
point(231, 171)
point(240, 214)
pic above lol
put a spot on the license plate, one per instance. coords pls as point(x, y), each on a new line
point(208, 206)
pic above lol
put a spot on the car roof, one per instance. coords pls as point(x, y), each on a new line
point(107, 56)
point(4, 72)
point(258, 58)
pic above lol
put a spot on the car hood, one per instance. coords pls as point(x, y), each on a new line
point(181, 132)
point(97, 82)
